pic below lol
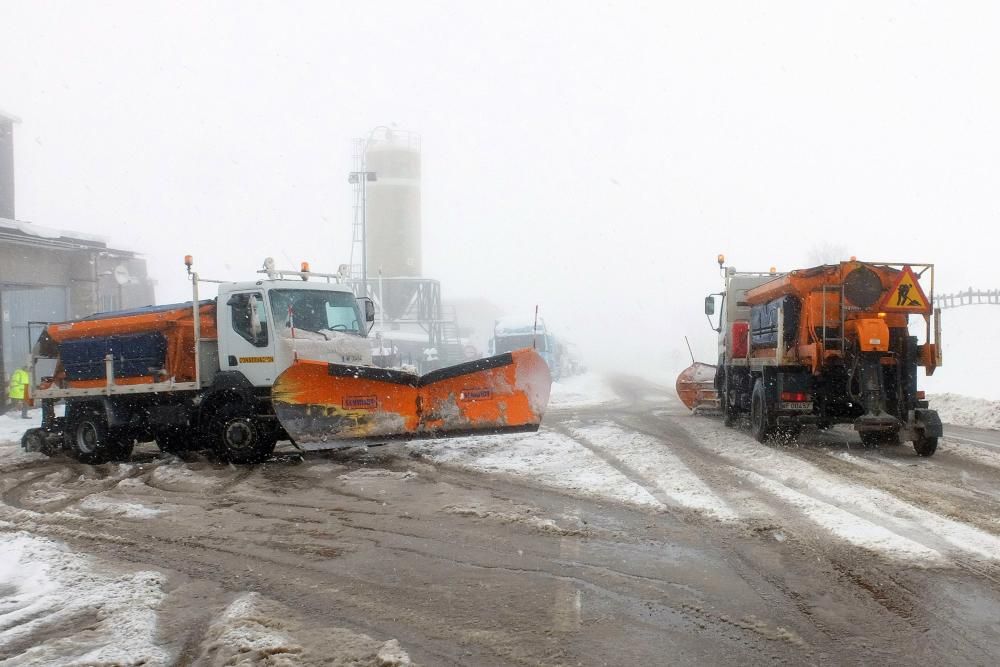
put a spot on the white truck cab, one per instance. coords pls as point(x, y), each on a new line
point(264, 326)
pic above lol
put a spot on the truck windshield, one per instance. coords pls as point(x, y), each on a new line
point(316, 310)
point(516, 342)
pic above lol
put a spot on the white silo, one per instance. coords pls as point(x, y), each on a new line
point(393, 213)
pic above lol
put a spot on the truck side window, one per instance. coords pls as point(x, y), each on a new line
point(249, 317)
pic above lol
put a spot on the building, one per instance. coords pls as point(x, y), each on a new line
point(7, 122)
point(50, 275)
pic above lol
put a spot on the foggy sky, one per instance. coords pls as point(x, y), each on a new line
point(591, 160)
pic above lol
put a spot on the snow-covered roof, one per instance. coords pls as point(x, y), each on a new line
point(516, 325)
point(41, 232)
point(411, 336)
point(9, 117)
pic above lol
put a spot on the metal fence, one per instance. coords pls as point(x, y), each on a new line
point(969, 297)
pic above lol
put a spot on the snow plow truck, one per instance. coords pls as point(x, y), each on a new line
point(283, 357)
point(829, 345)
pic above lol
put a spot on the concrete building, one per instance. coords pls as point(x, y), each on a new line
point(50, 275)
point(7, 122)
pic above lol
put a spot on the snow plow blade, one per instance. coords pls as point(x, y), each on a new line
point(319, 402)
point(696, 387)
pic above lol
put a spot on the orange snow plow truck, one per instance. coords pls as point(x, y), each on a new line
point(827, 345)
point(284, 357)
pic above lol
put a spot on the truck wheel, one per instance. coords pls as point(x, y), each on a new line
point(242, 439)
point(174, 440)
point(728, 410)
point(34, 440)
point(925, 446)
point(121, 446)
point(761, 421)
point(88, 439)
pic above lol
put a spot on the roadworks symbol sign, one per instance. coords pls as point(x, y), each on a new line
point(906, 296)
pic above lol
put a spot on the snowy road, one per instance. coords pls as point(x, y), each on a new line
point(625, 532)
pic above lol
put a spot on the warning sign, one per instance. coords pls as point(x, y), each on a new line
point(906, 296)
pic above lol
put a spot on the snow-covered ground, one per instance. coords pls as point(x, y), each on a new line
point(63, 608)
point(966, 410)
point(12, 427)
point(547, 457)
point(581, 391)
point(657, 463)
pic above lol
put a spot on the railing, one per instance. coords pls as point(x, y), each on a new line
point(970, 297)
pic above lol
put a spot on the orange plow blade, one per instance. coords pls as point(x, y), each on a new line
point(320, 402)
point(696, 387)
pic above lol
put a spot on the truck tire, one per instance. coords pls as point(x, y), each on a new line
point(240, 438)
point(761, 420)
point(925, 446)
point(174, 440)
point(91, 441)
point(729, 415)
point(35, 440)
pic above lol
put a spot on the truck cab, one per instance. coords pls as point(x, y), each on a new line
point(511, 334)
point(734, 311)
point(263, 326)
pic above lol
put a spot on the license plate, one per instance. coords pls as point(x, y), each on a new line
point(797, 405)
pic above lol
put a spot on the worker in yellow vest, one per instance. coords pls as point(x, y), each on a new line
point(17, 389)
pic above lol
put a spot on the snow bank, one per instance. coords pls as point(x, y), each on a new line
point(254, 630)
point(966, 411)
point(246, 634)
point(104, 506)
point(581, 391)
point(57, 608)
point(519, 514)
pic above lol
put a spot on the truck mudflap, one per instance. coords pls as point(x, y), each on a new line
point(320, 402)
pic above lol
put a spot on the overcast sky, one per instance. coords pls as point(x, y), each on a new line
point(590, 157)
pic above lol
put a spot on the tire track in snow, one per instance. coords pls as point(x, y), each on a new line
point(825, 497)
point(772, 506)
point(549, 457)
point(642, 457)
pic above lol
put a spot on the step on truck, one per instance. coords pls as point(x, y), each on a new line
point(282, 357)
point(829, 345)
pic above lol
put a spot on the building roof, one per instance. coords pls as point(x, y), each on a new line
point(9, 117)
point(27, 233)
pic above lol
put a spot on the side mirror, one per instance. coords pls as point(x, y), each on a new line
point(254, 307)
point(369, 307)
point(369, 310)
point(710, 305)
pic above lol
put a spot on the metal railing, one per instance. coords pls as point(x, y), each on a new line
point(970, 297)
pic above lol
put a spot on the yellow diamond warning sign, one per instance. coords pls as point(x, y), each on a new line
point(906, 296)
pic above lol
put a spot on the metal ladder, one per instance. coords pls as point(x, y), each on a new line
point(358, 228)
point(842, 338)
point(451, 351)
